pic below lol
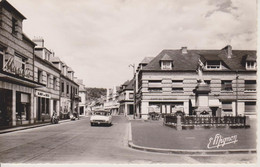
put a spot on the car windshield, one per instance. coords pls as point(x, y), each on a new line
point(101, 113)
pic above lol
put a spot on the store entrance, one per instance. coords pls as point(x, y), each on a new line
point(22, 108)
point(5, 107)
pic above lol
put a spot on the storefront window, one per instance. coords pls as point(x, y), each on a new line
point(22, 107)
point(5, 107)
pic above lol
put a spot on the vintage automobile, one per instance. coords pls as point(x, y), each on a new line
point(101, 117)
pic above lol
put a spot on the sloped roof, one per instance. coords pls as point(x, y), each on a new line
point(130, 85)
point(166, 57)
point(189, 61)
point(250, 57)
point(10, 8)
point(126, 83)
point(146, 60)
point(55, 59)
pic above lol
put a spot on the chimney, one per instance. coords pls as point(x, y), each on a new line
point(184, 50)
point(228, 50)
point(39, 41)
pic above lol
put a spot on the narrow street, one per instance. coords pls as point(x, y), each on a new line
point(78, 142)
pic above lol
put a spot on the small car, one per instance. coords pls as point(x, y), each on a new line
point(101, 117)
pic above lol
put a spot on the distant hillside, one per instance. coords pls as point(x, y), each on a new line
point(95, 93)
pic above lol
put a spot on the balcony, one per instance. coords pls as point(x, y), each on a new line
point(250, 87)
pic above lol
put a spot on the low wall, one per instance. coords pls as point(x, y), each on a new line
point(187, 122)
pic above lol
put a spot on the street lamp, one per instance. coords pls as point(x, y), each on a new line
point(133, 65)
point(237, 92)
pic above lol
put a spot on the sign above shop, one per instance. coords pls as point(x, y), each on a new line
point(42, 94)
point(11, 66)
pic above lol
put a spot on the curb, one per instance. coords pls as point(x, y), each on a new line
point(32, 126)
point(186, 152)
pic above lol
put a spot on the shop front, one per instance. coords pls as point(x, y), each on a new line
point(16, 103)
point(65, 108)
point(5, 107)
point(23, 110)
point(43, 106)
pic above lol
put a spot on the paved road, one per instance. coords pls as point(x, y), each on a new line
point(78, 142)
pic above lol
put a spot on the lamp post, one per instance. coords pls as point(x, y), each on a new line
point(237, 92)
point(133, 65)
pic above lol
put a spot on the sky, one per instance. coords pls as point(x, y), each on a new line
point(99, 39)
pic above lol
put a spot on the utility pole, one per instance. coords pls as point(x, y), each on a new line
point(134, 86)
point(236, 93)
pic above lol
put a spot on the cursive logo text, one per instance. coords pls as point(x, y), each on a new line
point(220, 141)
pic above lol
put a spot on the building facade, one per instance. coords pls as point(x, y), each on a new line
point(47, 98)
point(16, 69)
point(111, 102)
point(69, 97)
point(126, 98)
point(167, 83)
point(82, 95)
point(30, 84)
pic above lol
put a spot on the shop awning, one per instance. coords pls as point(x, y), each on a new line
point(24, 82)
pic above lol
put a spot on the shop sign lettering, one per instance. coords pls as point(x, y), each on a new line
point(220, 141)
point(10, 67)
point(42, 94)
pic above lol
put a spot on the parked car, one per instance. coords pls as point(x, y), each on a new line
point(101, 117)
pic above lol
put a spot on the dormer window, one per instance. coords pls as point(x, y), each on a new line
point(213, 65)
point(166, 62)
point(166, 65)
point(250, 65)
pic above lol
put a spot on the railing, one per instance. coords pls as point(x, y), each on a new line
point(211, 121)
point(250, 87)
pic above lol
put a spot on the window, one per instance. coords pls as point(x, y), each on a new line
point(166, 65)
point(250, 65)
point(177, 81)
point(154, 81)
point(226, 85)
point(62, 87)
point(19, 62)
point(207, 82)
point(212, 65)
point(47, 56)
point(54, 83)
point(250, 85)
point(250, 106)
point(68, 89)
point(76, 91)
point(227, 106)
point(14, 26)
point(47, 81)
point(131, 95)
point(177, 90)
point(154, 89)
point(39, 75)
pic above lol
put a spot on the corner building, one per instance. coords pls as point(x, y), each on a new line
point(16, 69)
point(166, 83)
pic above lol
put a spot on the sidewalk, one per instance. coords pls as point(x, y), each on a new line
point(154, 136)
point(13, 129)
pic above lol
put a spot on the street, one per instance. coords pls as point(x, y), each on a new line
point(78, 142)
